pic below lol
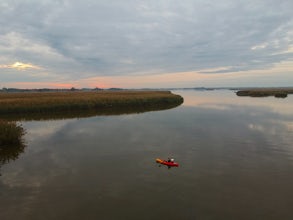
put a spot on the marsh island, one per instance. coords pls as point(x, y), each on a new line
point(63, 104)
point(264, 92)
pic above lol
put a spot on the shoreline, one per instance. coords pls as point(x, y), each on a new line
point(46, 105)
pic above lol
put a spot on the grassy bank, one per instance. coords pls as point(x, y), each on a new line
point(11, 141)
point(277, 92)
point(48, 103)
point(10, 133)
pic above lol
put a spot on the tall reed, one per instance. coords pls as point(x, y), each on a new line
point(41, 102)
point(10, 133)
point(11, 141)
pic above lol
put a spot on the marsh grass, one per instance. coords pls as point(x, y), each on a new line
point(66, 102)
point(11, 141)
point(278, 93)
point(10, 133)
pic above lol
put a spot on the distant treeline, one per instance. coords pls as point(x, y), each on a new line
point(57, 90)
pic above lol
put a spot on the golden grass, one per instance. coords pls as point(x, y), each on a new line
point(42, 102)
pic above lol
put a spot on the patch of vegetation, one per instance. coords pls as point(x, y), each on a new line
point(278, 93)
point(10, 133)
point(281, 95)
point(11, 141)
point(83, 103)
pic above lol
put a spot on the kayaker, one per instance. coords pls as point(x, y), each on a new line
point(171, 160)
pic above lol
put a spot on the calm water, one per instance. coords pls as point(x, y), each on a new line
point(235, 155)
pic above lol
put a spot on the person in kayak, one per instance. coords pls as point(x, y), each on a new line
point(170, 160)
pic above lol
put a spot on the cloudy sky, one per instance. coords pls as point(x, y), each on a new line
point(139, 44)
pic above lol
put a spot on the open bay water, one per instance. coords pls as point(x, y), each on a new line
point(235, 156)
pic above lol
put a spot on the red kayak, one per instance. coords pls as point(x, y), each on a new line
point(169, 164)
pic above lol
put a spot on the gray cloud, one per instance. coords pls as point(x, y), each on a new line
point(78, 39)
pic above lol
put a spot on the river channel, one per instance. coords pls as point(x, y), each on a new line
point(235, 158)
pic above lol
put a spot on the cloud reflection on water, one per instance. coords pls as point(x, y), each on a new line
point(223, 98)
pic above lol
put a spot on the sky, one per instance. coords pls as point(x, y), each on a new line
point(146, 44)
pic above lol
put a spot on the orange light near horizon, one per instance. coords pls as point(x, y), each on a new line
point(279, 73)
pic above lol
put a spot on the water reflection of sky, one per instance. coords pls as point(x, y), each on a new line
point(278, 113)
point(223, 98)
point(235, 155)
